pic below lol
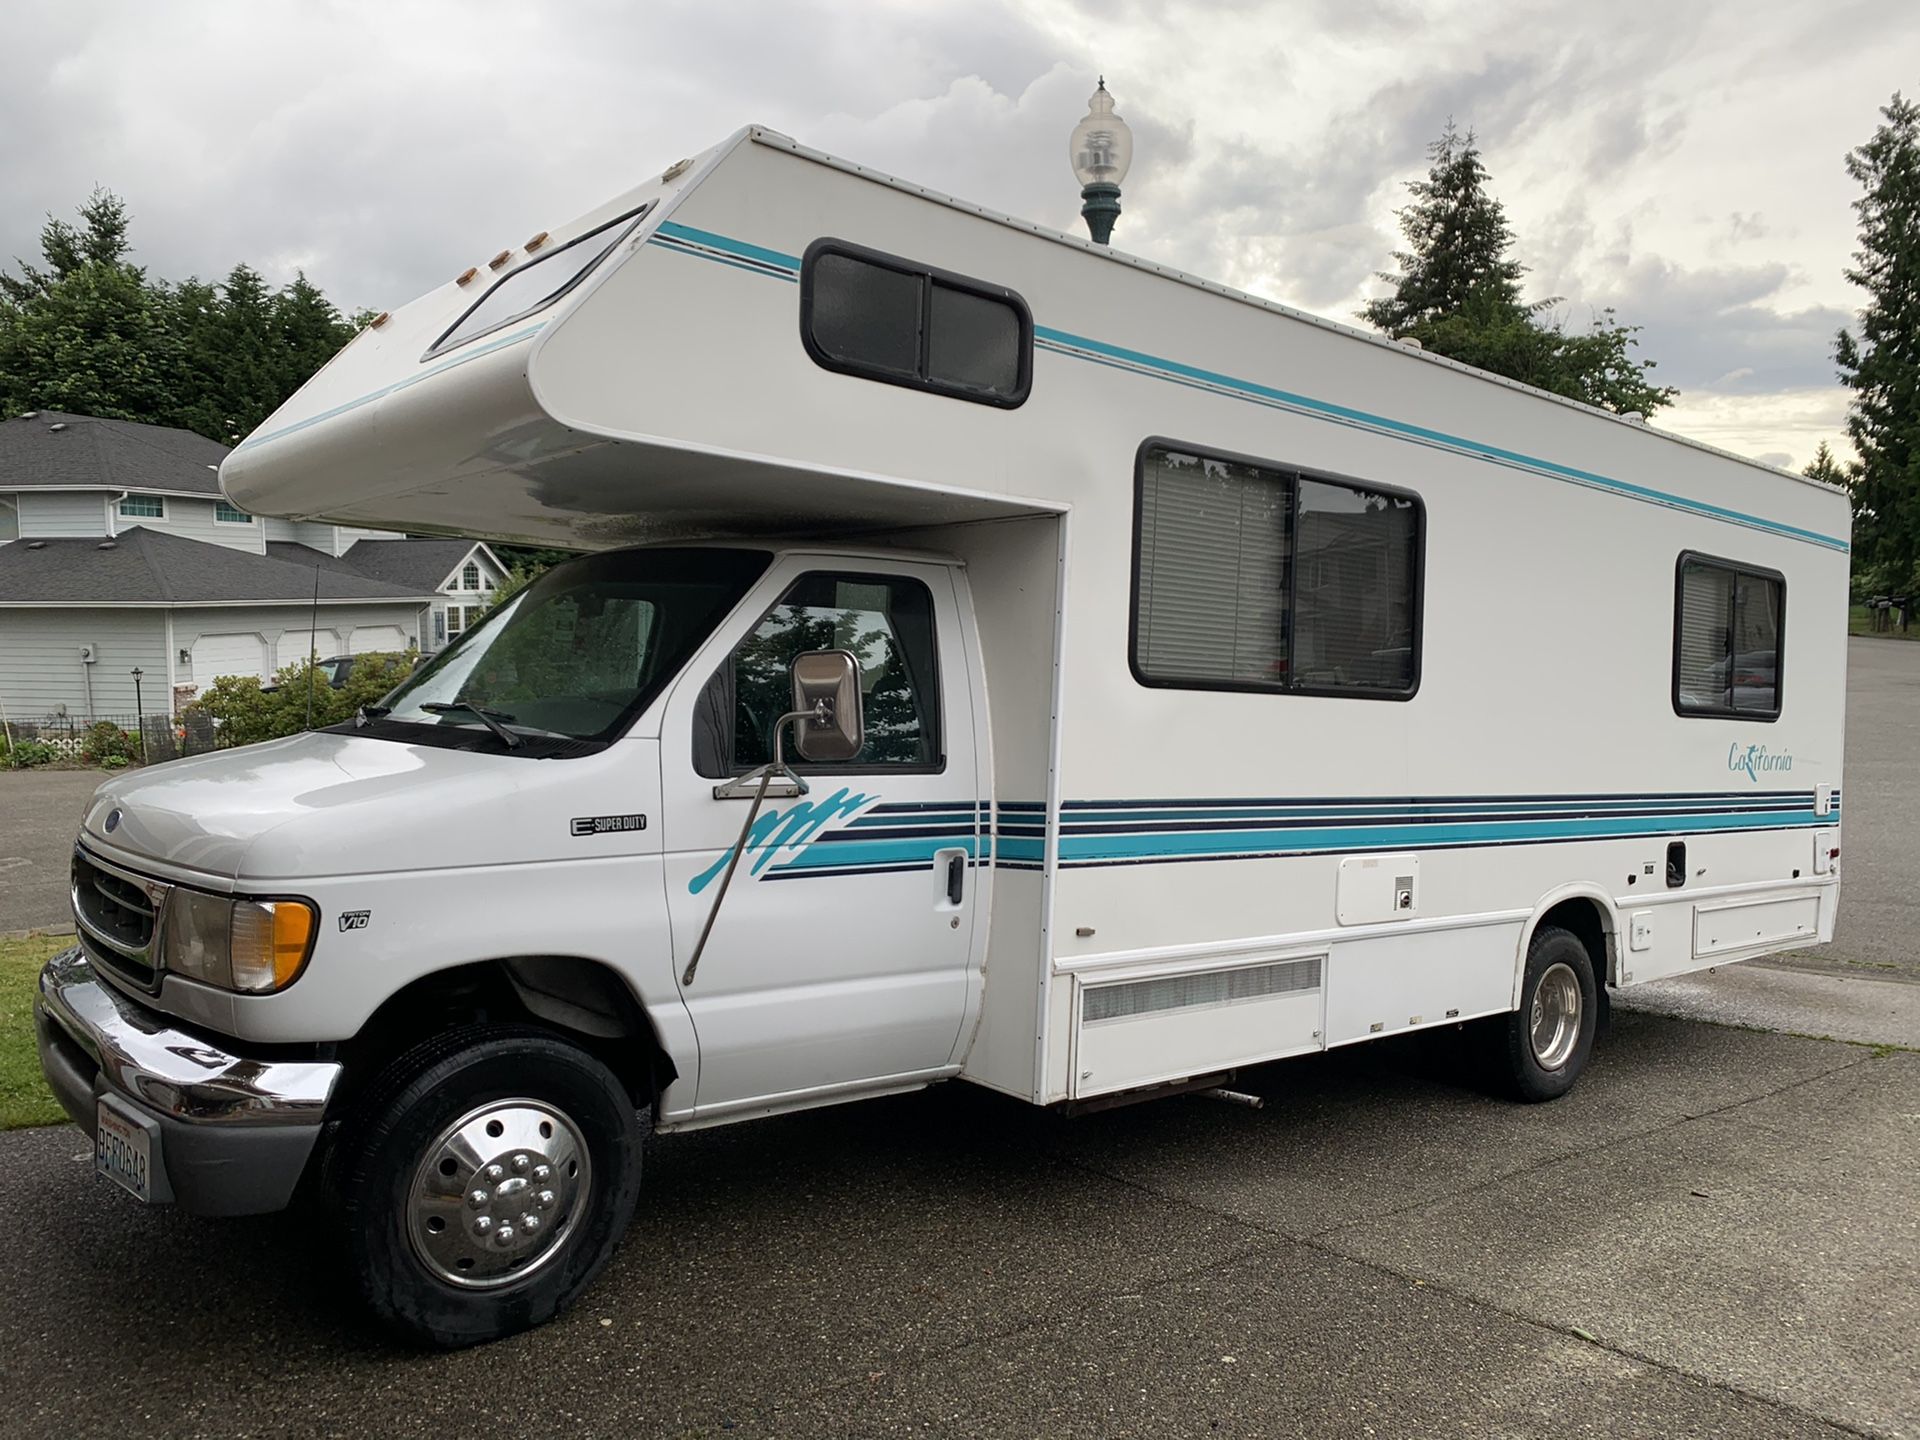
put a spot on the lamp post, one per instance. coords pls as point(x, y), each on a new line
point(139, 716)
point(1101, 150)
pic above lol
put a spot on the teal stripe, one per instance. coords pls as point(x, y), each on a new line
point(833, 854)
point(385, 390)
point(1346, 414)
point(676, 231)
point(1380, 837)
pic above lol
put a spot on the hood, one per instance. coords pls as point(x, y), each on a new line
point(342, 804)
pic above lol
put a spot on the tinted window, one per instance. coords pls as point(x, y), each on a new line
point(866, 314)
point(1728, 631)
point(887, 319)
point(538, 282)
point(1251, 576)
point(885, 621)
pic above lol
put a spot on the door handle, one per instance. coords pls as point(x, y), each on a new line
point(956, 877)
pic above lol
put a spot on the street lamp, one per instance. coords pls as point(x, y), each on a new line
point(139, 713)
point(1101, 150)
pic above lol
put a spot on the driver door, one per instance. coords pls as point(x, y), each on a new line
point(839, 960)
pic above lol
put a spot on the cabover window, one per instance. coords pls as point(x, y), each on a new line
point(538, 282)
point(1249, 576)
point(883, 318)
point(1728, 634)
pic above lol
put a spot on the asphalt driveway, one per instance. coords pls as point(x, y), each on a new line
point(39, 816)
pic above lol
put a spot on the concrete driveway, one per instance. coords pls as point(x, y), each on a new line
point(1717, 1234)
point(39, 816)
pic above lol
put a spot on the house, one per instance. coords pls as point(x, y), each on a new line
point(119, 553)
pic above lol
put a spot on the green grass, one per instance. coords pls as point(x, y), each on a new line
point(24, 1097)
point(1860, 622)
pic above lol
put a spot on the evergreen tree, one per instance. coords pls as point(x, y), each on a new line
point(1881, 365)
point(1458, 293)
point(1826, 469)
point(86, 330)
point(87, 333)
point(1457, 239)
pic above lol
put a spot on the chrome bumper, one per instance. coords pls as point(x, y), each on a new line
point(233, 1135)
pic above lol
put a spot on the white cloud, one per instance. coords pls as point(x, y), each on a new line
point(1686, 171)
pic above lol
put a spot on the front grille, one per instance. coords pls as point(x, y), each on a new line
point(118, 915)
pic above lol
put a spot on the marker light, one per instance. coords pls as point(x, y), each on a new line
point(270, 942)
point(466, 275)
point(497, 261)
point(536, 242)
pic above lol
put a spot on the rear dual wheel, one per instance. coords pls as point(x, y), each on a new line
point(484, 1183)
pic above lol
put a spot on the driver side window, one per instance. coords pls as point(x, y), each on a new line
point(885, 621)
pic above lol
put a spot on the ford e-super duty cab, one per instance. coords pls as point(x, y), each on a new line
point(994, 658)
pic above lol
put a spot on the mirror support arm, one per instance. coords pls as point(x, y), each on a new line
point(777, 765)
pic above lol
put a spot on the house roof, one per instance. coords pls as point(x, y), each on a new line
point(50, 449)
point(146, 567)
point(419, 564)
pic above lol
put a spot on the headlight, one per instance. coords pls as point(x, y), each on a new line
point(253, 946)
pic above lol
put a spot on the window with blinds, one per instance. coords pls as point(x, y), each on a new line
point(1255, 577)
point(1728, 631)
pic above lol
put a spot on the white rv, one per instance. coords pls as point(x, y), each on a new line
point(1001, 659)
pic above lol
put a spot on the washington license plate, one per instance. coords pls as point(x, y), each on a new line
point(122, 1151)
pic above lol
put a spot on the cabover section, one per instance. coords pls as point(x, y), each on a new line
point(1320, 672)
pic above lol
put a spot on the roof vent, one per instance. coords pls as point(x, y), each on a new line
point(36, 544)
point(58, 425)
point(1632, 417)
point(1411, 342)
point(108, 545)
point(31, 415)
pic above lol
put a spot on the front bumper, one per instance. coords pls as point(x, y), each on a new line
point(229, 1135)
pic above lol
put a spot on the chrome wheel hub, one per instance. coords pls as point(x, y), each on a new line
point(1554, 1026)
point(496, 1195)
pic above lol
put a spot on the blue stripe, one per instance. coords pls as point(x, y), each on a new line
point(1349, 415)
point(1181, 373)
point(841, 853)
point(462, 358)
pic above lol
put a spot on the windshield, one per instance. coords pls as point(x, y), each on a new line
point(583, 649)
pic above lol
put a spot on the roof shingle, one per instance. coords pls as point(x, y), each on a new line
point(51, 449)
point(145, 567)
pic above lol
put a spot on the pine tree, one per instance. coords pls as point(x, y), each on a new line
point(1458, 293)
point(1457, 239)
point(1881, 365)
point(1826, 469)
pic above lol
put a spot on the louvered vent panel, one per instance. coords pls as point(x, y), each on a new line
point(1181, 992)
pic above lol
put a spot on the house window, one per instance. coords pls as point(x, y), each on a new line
point(1249, 576)
point(885, 621)
point(470, 577)
point(1729, 634)
point(897, 321)
point(143, 507)
point(227, 514)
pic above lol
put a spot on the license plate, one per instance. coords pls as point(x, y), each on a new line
point(122, 1152)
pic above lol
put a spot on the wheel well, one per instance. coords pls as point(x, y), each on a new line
point(1588, 919)
point(583, 1000)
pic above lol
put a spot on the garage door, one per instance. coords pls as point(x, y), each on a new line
point(376, 637)
point(297, 645)
point(217, 655)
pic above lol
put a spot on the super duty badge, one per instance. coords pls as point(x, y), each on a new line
point(608, 824)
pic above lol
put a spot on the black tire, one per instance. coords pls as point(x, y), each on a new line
point(382, 1158)
point(1528, 1073)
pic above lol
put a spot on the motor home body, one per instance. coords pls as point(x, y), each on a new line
point(1232, 685)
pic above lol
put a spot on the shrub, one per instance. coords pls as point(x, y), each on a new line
point(26, 754)
point(247, 713)
point(114, 762)
point(107, 741)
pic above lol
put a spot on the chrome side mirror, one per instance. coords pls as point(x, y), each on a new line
point(826, 696)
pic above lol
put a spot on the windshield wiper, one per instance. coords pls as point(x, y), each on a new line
point(492, 719)
point(368, 713)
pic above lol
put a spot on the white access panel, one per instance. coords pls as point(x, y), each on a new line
point(1137, 1032)
point(1373, 888)
point(1744, 927)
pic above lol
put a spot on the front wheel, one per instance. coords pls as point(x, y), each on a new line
point(1545, 1043)
point(485, 1183)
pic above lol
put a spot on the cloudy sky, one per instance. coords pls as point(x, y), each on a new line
point(1680, 162)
